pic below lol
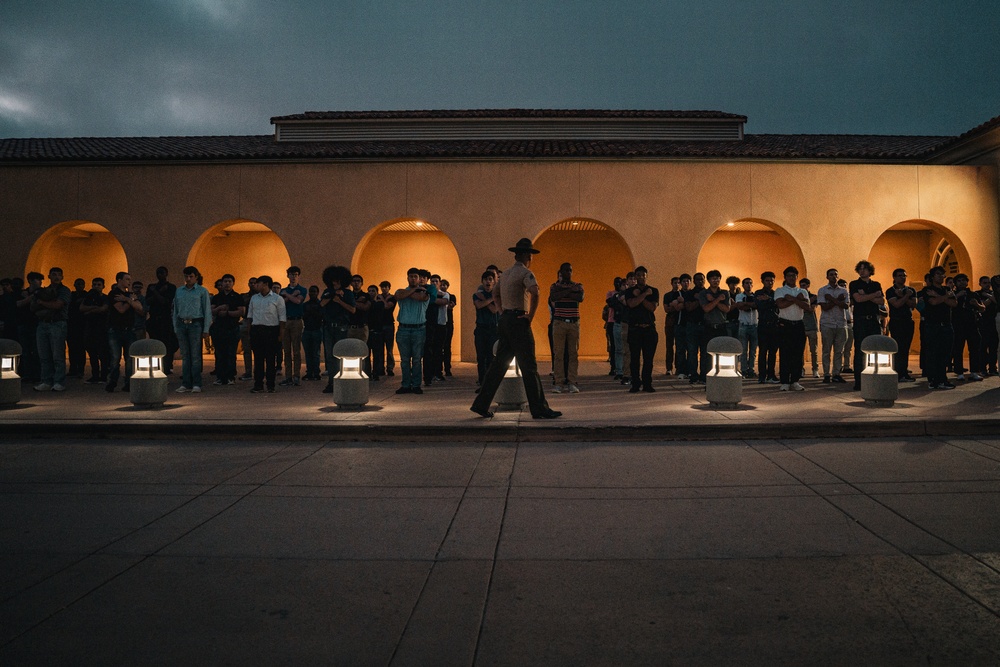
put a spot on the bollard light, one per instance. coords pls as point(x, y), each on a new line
point(10, 381)
point(350, 384)
point(724, 383)
point(879, 381)
point(511, 394)
point(148, 382)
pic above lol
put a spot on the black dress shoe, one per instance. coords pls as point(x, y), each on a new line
point(648, 389)
point(548, 414)
point(403, 390)
point(634, 389)
point(328, 389)
point(482, 413)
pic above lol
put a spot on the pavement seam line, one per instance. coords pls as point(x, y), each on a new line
point(920, 528)
point(146, 557)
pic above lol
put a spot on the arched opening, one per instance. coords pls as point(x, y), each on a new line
point(392, 247)
point(598, 254)
point(746, 248)
point(82, 249)
point(917, 246)
point(243, 248)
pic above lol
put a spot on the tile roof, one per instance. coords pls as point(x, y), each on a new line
point(504, 113)
point(263, 147)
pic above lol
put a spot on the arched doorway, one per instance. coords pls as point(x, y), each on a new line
point(82, 249)
point(243, 248)
point(746, 248)
point(598, 254)
point(388, 250)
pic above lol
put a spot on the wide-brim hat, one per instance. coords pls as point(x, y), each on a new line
point(524, 245)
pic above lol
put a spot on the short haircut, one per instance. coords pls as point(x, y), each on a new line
point(314, 288)
point(385, 283)
point(190, 271)
point(424, 273)
point(266, 280)
point(434, 275)
point(804, 281)
point(228, 275)
point(766, 275)
point(56, 269)
point(97, 280)
point(790, 269)
point(834, 270)
point(565, 265)
point(865, 263)
point(699, 274)
point(936, 269)
point(901, 270)
point(641, 269)
point(714, 273)
point(630, 274)
point(675, 279)
point(488, 274)
point(962, 276)
point(685, 276)
point(293, 269)
point(120, 275)
point(34, 275)
point(76, 282)
point(748, 279)
point(252, 280)
point(162, 268)
point(492, 267)
point(357, 276)
point(413, 270)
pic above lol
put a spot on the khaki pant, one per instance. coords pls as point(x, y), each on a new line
point(565, 337)
point(291, 345)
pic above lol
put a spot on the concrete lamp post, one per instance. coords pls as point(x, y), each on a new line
point(510, 394)
point(148, 384)
point(10, 381)
point(879, 382)
point(724, 384)
point(350, 385)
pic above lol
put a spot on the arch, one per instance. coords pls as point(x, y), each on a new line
point(82, 249)
point(244, 248)
point(598, 253)
point(393, 246)
point(917, 245)
point(749, 246)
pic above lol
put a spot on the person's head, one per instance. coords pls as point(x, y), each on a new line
point(565, 272)
point(630, 279)
point(252, 284)
point(275, 286)
point(832, 275)
point(804, 283)
point(7, 287)
point(357, 282)
point(899, 276)
point(937, 276)
point(293, 272)
point(313, 292)
point(685, 281)
point(995, 283)
point(190, 276)
point(97, 284)
point(699, 280)
point(748, 285)
point(489, 280)
point(228, 280)
point(961, 281)
point(137, 286)
point(732, 282)
point(35, 279)
point(640, 276)
point(55, 275)
point(864, 268)
point(123, 280)
point(790, 274)
point(950, 282)
point(218, 285)
point(767, 279)
point(79, 284)
point(264, 285)
point(435, 280)
point(372, 291)
point(445, 285)
point(161, 273)
point(984, 282)
point(385, 286)
point(842, 282)
point(336, 277)
point(675, 282)
point(16, 284)
point(425, 276)
point(413, 277)
point(714, 278)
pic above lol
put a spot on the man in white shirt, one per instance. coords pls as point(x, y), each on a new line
point(747, 305)
point(834, 303)
point(267, 325)
point(792, 302)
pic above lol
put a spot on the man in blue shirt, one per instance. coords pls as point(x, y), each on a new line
point(51, 307)
point(192, 318)
point(294, 295)
point(411, 331)
point(337, 302)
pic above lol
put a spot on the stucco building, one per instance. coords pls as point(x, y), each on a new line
point(451, 190)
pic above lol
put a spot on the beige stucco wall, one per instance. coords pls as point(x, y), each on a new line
point(664, 211)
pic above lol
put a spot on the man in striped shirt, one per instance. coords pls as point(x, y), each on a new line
point(564, 298)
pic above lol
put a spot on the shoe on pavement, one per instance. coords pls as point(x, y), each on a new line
point(946, 385)
point(795, 386)
point(328, 389)
point(285, 383)
point(634, 389)
point(246, 376)
point(295, 382)
point(182, 389)
point(548, 414)
point(403, 390)
point(557, 389)
point(573, 389)
point(783, 387)
point(257, 390)
point(648, 389)
point(960, 376)
point(196, 389)
point(58, 387)
point(416, 390)
point(483, 413)
point(219, 383)
point(815, 374)
point(43, 386)
point(826, 379)
point(838, 378)
point(975, 377)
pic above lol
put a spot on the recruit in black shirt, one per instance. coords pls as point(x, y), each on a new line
point(864, 309)
point(640, 314)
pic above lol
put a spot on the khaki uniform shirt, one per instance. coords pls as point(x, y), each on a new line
point(514, 282)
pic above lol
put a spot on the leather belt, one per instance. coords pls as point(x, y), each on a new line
point(412, 326)
point(515, 312)
point(567, 319)
point(197, 319)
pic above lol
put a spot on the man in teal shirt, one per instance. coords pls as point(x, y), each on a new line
point(192, 319)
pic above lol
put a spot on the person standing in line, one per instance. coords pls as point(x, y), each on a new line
point(747, 307)
point(849, 343)
point(936, 302)
point(487, 321)
point(565, 297)
point(449, 333)
point(245, 331)
point(626, 350)
point(679, 306)
point(411, 331)
point(142, 317)
point(27, 329)
point(268, 319)
point(670, 322)
point(965, 320)
point(792, 302)
point(388, 325)
point(192, 319)
point(715, 305)
point(987, 326)
point(291, 341)
point(834, 304)
point(516, 340)
point(767, 330)
point(338, 306)
point(902, 299)
point(733, 316)
point(227, 309)
point(160, 301)
point(75, 336)
point(434, 341)
point(642, 301)
point(312, 332)
point(376, 347)
point(122, 308)
point(695, 317)
point(866, 297)
point(95, 330)
point(51, 307)
point(615, 308)
point(810, 325)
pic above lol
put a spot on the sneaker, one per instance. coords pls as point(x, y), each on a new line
point(257, 390)
point(773, 380)
point(648, 389)
point(826, 379)
point(846, 369)
point(815, 373)
point(246, 376)
point(218, 383)
point(403, 390)
point(325, 374)
point(682, 376)
point(795, 386)
point(838, 378)
point(906, 378)
point(182, 389)
point(271, 390)
point(328, 389)
point(229, 383)
point(95, 381)
point(573, 389)
point(196, 389)
point(389, 373)
point(783, 387)
point(634, 389)
point(750, 375)
point(295, 382)
point(761, 381)
point(42, 386)
point(416, 390)
point(960, 376)
point(285, 383)
point(58, 387)
point(557, 389)
point(975, 377)
point(946, 385)
point(626, 379)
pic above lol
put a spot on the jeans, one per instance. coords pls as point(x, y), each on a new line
point(965, 334)
point(311, 342)
point(389, 340)
point(694, 346)
point(619, 349)
point(812, 340)
point(748, 343)
point(668, 340)
point(410, 345)
point(162, 329)
point(50, 337)
point(189, 339)
point(119, 341)
point(226, 340)
point(834, 339)
point(485, 338)
point(376, 350)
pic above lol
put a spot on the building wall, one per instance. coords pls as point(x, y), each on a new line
point(663, 211)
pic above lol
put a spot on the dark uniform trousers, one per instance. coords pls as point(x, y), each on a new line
point(642, 339)
point(864, 326)
point(516, 342)
point(967, 334)
point(267, 346)
point(901, 331)
point(938, 340)
point(791, 349)
point(767, 350)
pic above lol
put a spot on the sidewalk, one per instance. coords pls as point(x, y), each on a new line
point(603, 410)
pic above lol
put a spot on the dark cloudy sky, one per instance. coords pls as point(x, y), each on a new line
point(194, 67)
